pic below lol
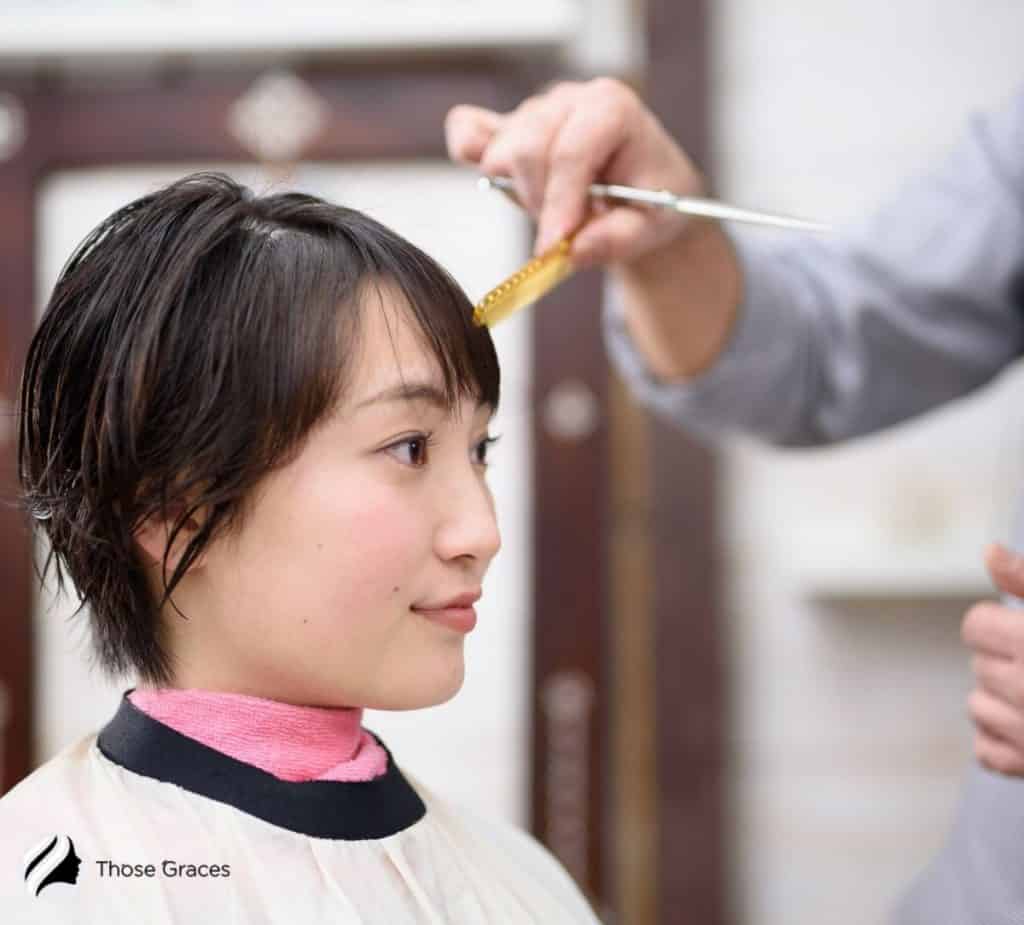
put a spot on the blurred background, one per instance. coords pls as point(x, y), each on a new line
point(724, 687)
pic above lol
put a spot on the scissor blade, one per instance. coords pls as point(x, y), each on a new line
point(711, 209)
point(689, 205)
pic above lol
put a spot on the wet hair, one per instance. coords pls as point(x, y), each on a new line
point(192, 342)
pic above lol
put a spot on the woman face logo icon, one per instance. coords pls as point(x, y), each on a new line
point(52, 861)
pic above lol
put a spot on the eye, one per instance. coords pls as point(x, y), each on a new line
point(480, 450)
point(412, 450)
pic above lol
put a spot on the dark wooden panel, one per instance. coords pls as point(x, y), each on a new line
point(691, 690)
point(570, 589)
point(16, 256)
point(384, 115)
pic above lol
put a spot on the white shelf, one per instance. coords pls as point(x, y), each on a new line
point(912, 573)
point(30, 31)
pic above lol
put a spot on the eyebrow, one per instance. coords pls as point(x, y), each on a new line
point(411, 392)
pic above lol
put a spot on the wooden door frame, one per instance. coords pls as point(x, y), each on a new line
point(691, 662)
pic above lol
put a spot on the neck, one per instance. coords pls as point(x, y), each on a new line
point(291, 742)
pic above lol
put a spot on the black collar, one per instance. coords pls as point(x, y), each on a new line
point(324, 809)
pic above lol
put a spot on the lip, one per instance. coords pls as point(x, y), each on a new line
point(457, 613)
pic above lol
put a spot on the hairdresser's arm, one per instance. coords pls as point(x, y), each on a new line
point(808, 342)
point(836, 338)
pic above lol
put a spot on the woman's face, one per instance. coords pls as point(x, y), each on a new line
point(351, 578)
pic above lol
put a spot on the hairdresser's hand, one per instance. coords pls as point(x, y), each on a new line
point(555, 144)
point(995, 633)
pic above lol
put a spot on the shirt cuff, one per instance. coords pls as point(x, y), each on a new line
point(713, 400)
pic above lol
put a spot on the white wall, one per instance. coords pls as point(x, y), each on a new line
point(484, 761)
point(849, 723)
point(108, 32)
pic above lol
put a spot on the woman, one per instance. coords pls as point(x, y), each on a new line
point(255, 432)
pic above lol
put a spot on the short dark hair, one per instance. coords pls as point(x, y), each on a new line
point(191, 343)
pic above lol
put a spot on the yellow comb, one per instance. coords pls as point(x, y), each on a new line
point(526, 285)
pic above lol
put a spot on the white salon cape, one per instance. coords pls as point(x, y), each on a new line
point(196, 836)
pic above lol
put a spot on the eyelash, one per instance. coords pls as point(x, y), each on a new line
point(427, 439)
point(485, 445)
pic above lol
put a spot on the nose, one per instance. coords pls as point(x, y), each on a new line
point(469, 526)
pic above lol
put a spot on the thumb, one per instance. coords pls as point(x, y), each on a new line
point(1006, 568)
point(468, 131)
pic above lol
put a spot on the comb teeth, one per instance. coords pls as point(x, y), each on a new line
point(531, 281)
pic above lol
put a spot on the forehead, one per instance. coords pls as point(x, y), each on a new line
point(391, 345)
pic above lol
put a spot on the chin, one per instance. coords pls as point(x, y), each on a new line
point(429, 692)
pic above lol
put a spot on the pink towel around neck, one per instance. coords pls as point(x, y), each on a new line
point(292, 743)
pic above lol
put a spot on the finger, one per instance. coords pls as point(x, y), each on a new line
point(990, 628)
point(1006, 569)
point(1001, 678)
point(996, 718)
point(611, 236)
point(997, 755)
point(520, 149)
point(468, 131)
point(587, 140)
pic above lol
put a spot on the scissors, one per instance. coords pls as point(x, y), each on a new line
point(547, 270)
point(688, 205)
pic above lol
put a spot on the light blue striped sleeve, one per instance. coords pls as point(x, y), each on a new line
point(835, 338)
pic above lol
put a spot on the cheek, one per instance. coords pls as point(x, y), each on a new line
point(362, 545)
point(333, 578)
point(331, 544)
point(362, 573)
point(374, 542)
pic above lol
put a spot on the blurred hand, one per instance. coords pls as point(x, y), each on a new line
point(555, 144)
point(995, 634)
